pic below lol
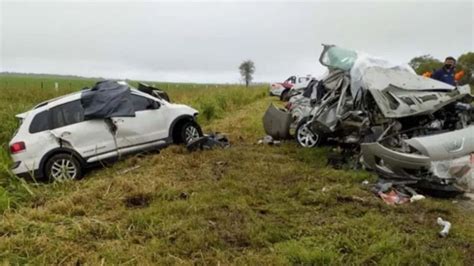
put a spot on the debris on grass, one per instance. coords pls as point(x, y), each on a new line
point(138, 200)
point(184, 196)
point(446, 227)
point(268, 140)
point(416, 198)
point(130, 169)
point(208, 142)
point(396, 193)
point(394, 197)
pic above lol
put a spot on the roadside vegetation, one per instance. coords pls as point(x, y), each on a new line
point(248, 204)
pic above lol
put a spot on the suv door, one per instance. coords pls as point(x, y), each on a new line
point(92, 139)
point(148, 128)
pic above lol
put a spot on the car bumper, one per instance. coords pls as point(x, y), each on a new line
point(277, 123)
point(375, 153)
point(22, 170)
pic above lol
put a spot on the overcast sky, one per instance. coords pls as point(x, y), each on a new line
point(206, 41)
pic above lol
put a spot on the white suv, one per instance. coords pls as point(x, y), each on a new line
point(56, 141)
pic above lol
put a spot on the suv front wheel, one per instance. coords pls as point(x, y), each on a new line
point(62, 167)
point(190, 131)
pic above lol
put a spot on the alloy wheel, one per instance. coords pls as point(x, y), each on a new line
point(191, 133)
point(306, 137)
point(64, 169)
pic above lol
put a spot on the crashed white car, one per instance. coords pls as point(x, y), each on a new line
point(59, 138)
point(283, 89)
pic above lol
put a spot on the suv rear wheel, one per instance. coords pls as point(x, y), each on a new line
point(63, 167)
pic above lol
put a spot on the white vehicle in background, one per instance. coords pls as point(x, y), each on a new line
point(58, 139)
point(283, 89)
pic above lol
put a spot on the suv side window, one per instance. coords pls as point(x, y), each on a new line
point(141, 103)
point(40, 122)
point(67, 114)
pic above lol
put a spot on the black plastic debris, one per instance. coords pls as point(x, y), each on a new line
point(208, 142)
point(153, 91)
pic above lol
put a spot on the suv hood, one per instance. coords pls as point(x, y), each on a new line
point(185, 108)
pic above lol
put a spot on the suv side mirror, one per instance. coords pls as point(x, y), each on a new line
point(154, 105)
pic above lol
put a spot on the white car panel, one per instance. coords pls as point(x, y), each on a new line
point(79, 138)
point(146, 126)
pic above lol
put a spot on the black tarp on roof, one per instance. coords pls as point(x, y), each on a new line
point(107, 99)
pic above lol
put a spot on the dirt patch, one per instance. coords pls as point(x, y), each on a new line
point(139, 200)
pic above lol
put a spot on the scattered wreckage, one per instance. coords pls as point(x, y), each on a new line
point(153, 91)
point(59, 138)
point(405, 126)
point(208, 142)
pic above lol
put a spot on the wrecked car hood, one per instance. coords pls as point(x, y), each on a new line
point(399, 93)
point(379, 78)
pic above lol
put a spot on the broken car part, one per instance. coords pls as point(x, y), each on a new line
point(158, 93)
point(268, 140)
point(276, 123)
point(208, 142)
point(446, 227)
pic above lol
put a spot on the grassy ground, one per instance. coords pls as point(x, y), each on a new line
point(249, 204)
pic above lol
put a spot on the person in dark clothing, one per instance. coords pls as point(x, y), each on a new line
point(446, 73)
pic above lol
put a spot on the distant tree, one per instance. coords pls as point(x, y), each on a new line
point(247, 68)
point(425, 63)
point(466, 63)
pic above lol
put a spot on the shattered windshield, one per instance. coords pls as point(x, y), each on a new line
point(340, 58)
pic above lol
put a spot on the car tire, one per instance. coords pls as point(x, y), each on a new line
point(305, 137)
point(190, 131)
point(63, 167)
point(285, 95)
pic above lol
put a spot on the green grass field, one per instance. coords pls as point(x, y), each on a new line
point(249, 204)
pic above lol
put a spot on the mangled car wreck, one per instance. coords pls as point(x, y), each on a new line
point(405, 126)
point(61, 137)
